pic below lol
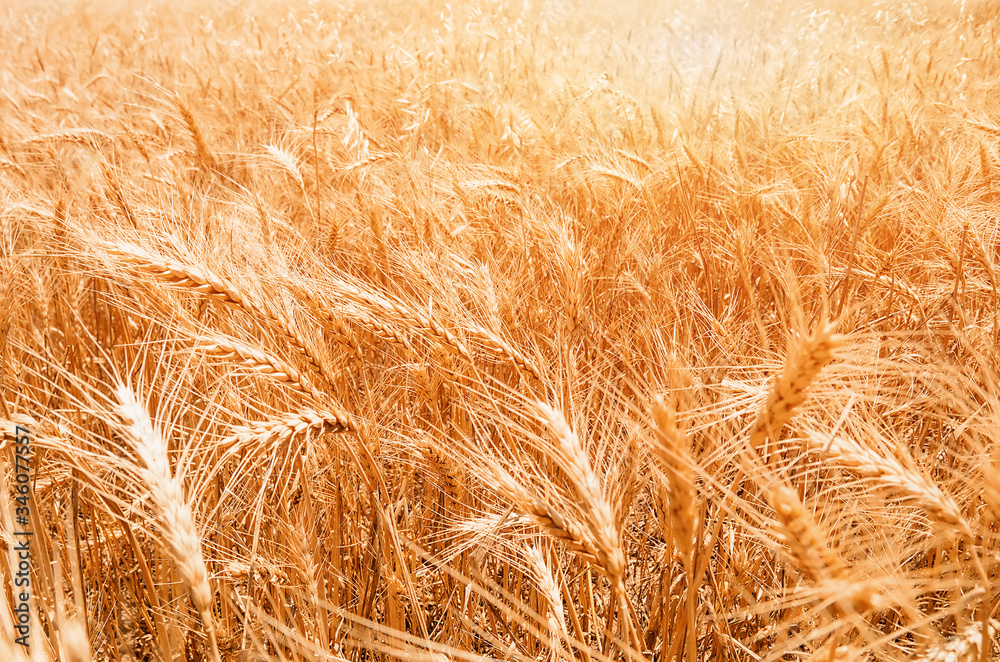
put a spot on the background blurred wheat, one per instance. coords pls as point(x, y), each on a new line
point(503, 330)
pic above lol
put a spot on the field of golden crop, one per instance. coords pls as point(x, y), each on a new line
point(541, 330)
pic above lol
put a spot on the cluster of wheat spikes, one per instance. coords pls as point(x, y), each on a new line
point(530, 331)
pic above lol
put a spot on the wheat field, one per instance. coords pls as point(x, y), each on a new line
point(545, 331)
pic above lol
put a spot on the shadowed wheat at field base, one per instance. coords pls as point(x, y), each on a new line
point(527, 331)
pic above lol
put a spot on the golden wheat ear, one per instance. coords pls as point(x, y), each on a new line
point(599, 515)
point(802, 367)
point(965, 646)
point(170, 506)
point(673, 449)
point(888, 472)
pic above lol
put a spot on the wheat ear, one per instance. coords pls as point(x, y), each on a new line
point(173, 512)
point(203, 155)
point(891, 473)
point(258, 361)
point(538, 511)
point(497, 346)
point(673, 449)
point(425, 325)
point(214, 287)
point(548, 587)
point(336, 325)
point(450, 473)
point(599, 515)
point(811, 552)
point(804, 537)
point(963, 647)
point(303, 423)
point(789, 391)
point(573, 267)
